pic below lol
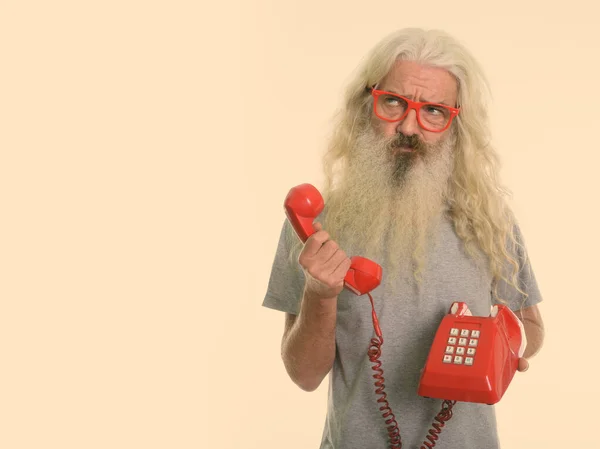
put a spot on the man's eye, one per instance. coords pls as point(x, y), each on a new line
point(433, 110)
point(438, 111)
point(391, 101)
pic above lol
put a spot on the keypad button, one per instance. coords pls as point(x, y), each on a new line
point(473, 342)
point(462, 341)
point(464, 333)
point(458, 360)
point(447, 359)
point(449, 349)
point(452, 341)
point(469, 361)
point(475, 334)
point(460, 351)
point(471, 351)
point(454, 331)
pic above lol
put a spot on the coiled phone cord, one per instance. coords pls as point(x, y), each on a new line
point(436, 428)
point(390, 419)
point(374, 354)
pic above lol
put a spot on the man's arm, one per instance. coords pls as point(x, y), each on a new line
point(534, 331)
point(308, 344)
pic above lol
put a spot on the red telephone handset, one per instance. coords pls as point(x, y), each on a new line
point(302, 205)
point(473, 359)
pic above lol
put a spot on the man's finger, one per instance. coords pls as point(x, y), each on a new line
point(316, 241)
point(523, 365)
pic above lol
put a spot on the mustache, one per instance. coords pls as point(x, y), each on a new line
point(412, 141)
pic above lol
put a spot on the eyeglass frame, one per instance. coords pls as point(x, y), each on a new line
point(416, 105)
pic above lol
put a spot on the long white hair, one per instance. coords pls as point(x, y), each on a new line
point(477, 200)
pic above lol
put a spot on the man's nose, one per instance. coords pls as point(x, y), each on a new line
point(409, 125)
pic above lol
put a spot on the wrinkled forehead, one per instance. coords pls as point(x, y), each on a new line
point(421, 82)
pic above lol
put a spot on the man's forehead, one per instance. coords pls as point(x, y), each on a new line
point(409, 78)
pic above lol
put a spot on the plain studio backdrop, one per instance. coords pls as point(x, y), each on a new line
point(147, 148)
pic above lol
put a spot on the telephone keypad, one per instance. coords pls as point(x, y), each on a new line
point(461, 350)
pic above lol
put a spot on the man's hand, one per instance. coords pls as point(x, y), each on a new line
point(325, 265)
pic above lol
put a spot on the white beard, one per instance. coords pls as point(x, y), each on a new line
point(387, 207)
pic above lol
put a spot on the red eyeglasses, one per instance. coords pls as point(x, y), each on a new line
point(392, 107)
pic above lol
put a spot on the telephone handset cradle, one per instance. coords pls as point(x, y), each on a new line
point(473, 358)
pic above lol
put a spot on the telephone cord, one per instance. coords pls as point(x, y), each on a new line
point(374, 354)
point(444, 415)
point(390, 419)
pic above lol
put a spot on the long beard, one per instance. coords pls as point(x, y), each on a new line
point(388, 204)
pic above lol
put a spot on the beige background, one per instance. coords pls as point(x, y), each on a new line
point(146, 151)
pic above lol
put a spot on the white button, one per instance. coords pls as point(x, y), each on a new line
point(449, 349)
point(473, 342)
point(471, 351)
point(452, 341)
point(454, 331)
point(469, 361)
point(458, 360)
point(447, 358)
point(462, 341)
point(464, 333)
point(460, 351)
point(475, 334)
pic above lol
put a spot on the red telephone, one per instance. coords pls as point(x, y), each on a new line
point(473, 359)
point(302, 205)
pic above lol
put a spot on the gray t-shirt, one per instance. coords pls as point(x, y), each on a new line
point(409, 319)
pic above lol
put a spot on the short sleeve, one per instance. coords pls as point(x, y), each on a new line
point(286, 281)
point(530, 293)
